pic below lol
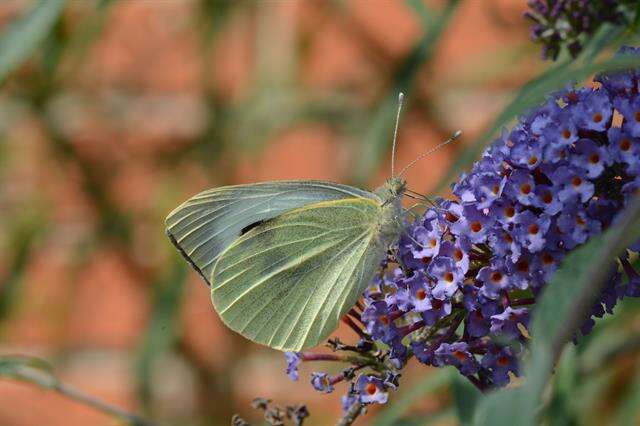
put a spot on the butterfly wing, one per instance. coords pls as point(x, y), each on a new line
point(287, 282)
point(203, 226)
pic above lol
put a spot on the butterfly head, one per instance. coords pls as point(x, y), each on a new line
point(392, 189)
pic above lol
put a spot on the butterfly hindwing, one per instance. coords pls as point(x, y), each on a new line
point(287, 282)
point(203, 226)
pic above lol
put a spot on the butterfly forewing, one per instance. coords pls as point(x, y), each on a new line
point(287, 282)
point(203, 226)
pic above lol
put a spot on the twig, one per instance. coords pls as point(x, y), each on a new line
point(347, 320)
point(476, 382)
point(99, 405)
point(351, 415)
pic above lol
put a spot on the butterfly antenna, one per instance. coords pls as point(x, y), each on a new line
point(417, 196)
point(455, 136)
point(395, 133)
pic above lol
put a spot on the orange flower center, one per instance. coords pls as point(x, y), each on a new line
point(371, 388)
point(534, 228)
point(523, 266)
point(496, 277)
point(451, 217)
point(460, 356)
point(476, 226)
point(525, 188)
point(448, 277)
point(597, 117)
point(576, 181)
point(457, 255)
point(625, 144)
point(502, 361)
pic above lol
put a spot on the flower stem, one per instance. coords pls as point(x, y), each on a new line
point(395, 315)
point(312, 356)
point(450, 331)
point(405, 331)
point(347, 320)
point(351, 415)
point(356, 315)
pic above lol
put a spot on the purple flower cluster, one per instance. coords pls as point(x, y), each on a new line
point(470, 269)
point(565, 23)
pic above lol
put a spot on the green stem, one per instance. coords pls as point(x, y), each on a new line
point(100, 405)
point(351, 415)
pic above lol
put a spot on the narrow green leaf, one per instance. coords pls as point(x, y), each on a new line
point(604, 37)
point(424, 12)
point(28, 369)
point(21, 240)
point(25, 35)
point(162, 329)
point(465, 397)
point(561, 310)
point(400, 405)
point(561, 410)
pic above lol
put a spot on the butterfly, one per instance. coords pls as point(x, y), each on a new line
point(286, 260)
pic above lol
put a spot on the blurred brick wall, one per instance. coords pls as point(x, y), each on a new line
point(133, 105)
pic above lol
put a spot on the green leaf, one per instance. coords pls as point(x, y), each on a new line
point(399, 406)
point(162, 330)
point(562, 308)
point(424, 12)
point(19, 41)
point(561, 411)
point(465, 397)
point(29, 370)
point(22, 238)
